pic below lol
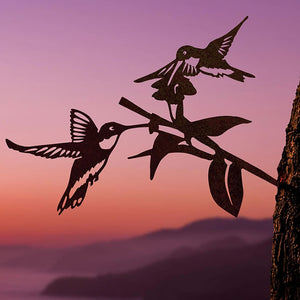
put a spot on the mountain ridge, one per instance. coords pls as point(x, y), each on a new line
point(177, 277)
point(124, 254)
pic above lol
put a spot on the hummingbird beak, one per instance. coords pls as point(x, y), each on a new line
point(135, 126)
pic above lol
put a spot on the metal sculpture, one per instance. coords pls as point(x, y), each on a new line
point(85, 148)
point(172, 86)
point(191, 61)
point(201, 130)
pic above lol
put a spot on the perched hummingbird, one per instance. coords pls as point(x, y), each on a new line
point(85, 148)
point(191, 61)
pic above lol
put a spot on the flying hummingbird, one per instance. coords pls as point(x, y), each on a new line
point(191, 61)
point(85, 148)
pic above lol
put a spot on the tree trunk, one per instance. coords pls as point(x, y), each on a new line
point(285, 275)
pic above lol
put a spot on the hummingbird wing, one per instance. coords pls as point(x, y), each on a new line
point(82, 127)
point(212, 60)
point(159, 73)
point(186, 67)
point(218, 48)
point(48, 151)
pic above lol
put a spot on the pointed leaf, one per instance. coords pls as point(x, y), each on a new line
point(142, 154)
point(235, 186)
point(216, 126)
point(164, 143)
point(216, 178)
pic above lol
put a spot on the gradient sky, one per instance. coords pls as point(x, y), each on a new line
point(57, 55)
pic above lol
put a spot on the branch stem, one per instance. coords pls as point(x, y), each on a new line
point(205, 140)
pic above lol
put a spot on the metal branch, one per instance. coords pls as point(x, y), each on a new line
point(205, 140)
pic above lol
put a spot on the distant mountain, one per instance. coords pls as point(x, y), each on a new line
point(213, 226)
point(239, 272)
point(29, 258)
point(128, 254)
point(124, 255)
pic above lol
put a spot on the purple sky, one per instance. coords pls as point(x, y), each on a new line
point(58, 55)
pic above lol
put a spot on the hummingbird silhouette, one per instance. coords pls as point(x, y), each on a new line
point(191, 61)
point(85, 148)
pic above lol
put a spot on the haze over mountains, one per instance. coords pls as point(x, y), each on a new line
point(127, 254)
point(238, 271)
point(207, 258)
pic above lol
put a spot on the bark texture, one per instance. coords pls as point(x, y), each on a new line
point(285, 275)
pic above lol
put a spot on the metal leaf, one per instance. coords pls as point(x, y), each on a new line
point(216, 126)
point(174, 146)
point(235, 186)
point(164, 143)
point(216, 178)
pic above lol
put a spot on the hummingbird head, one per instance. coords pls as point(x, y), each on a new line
point(112, 128)
point(185, 52)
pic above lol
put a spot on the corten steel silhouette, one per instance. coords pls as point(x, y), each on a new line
point(201, 130)
point(85, 148)
point(190, 61)
point(172, 86)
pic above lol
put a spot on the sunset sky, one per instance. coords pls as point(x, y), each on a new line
point(85, 54)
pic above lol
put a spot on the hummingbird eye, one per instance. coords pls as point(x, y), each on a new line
point(184, 52)
point(111, 128)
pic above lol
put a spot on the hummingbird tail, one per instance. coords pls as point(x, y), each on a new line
point(239, 75)
point(62, 205)
point(79, 195)
point(75, 200)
